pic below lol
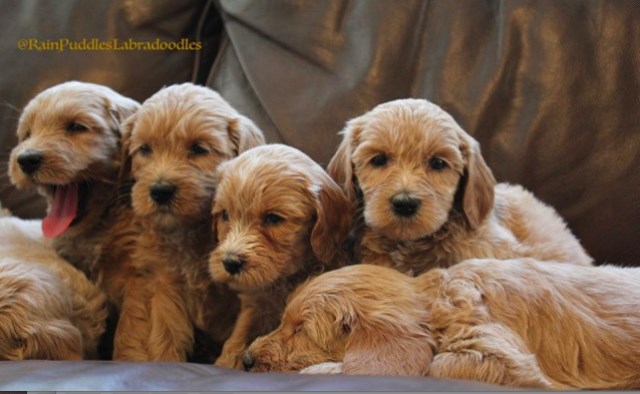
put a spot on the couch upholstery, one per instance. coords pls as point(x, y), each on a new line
point(120, 376)
point(550, 89)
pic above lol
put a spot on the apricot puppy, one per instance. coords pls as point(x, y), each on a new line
point(517, 322)
point(49, 309)
point(69, 149)
point(427, 198)
point(175, 142)
point(279, 219)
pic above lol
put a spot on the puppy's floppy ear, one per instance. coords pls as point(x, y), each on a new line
point(478, 183)
point(334, 213)
point(340, 167)
point(217, 175)
point(126, 128)
point(120, 108)
point(244, 134)
point(385, 345)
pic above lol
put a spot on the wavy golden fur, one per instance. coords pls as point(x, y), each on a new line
point(279, 219)
point(89, 156)
point(514, 322)
point(48, 309)
point(428, 199)
point(75, 127)
point(173, 146)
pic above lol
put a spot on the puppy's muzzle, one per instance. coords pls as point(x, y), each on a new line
point(162, 193)
point(248, 361)
point(233, 264)
point(30, 162)
point(404, 205)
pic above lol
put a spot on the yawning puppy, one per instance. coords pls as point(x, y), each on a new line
point(428, 199)
point(279, 219)
point(516, 322)
point(69, 149)
point(176, 141)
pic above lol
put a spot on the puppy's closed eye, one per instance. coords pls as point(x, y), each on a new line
point(75, 127)
point(197, 149)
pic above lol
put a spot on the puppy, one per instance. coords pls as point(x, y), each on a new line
point(49, 309)
point(279, 219)
point(428, 199)
point(69, 149)
point(174, 144)
point(514, 322)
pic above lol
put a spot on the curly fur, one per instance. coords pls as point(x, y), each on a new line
point(173, 294)
point(517, 322)
point(462, 212)
point(48, 309)
point(99, 242)
point(315, 220)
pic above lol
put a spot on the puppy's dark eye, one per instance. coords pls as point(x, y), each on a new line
point(272, 218)
point(18, 342)
point(225, 215)
point(297, 329)
point(145, 150)
point(75, 127)
point(196, 149)
point(379, 160)
point(437, 164)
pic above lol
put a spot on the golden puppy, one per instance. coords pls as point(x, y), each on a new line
point(176, 141)
point(69, 149)
point(515, 322)
point(49, 309)
point(429, 200)
point(279, 219)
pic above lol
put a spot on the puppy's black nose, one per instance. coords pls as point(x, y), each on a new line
point(405, 205)
point(29, 162)
point(233, 264)
point(162, 193)
point(248, 362)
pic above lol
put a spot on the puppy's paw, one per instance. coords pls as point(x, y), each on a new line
point(4, 212)
point(323, 369)
point(228, 362)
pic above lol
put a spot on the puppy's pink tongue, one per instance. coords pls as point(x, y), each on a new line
point(63, 210)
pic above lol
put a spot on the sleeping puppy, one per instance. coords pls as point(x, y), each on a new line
point(174, 144)
point(279, 219)
point(514, 322)
point(49, 309)
point(427, 199)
